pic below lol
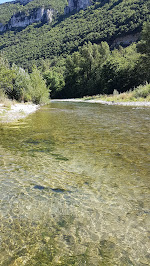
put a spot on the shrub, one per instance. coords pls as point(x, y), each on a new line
point(142, 91)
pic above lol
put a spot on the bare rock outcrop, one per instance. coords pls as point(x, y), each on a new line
point(22, 20)
point(2, 27)
point(76, 5)
point(126, 40)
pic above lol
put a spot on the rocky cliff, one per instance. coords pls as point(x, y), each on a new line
point(22, 20)
point(2, 27)
point(76, 5)
point(125, 40)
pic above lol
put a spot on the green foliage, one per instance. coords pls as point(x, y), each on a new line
point(54, 81)
point(17, 84)
point(39, 92)
point(142, 91)
point(144, 48)
point(21, 85)
point(6, 76)
point(96, 70)
point(58, 5)
point(119, 72)
point(7, 10)
point(72, 56)
point(82, 75)
point(104, 21)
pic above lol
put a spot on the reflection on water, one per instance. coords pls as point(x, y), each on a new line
point(75, 186)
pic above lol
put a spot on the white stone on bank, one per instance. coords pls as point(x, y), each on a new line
point(16, 111)
point(26, 108)
point(144, 104)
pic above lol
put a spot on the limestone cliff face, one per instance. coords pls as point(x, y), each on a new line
point(21, 20)
point(2, 27)
point(76, 5)
point(126, 40)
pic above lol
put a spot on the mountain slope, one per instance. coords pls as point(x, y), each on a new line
point(8, 9)
point(102, 21)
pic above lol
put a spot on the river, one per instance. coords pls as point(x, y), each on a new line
point(74, 186)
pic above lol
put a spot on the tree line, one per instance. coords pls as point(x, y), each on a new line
point(93, 69)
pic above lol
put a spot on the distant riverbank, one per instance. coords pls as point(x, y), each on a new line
point(10, 111)
point(130, 103)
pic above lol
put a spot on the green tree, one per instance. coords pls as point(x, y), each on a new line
point(119, 72)
point(6, 77)
point(39, 92)
point(73, 76)
point(54, 81)
point(21, 84)
point(144, 48)
point(83, 70)
point(144, 45)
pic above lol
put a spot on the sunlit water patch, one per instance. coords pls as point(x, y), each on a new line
point(75, 186)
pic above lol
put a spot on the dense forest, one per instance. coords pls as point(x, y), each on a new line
point(100, 22)
point(75, 55)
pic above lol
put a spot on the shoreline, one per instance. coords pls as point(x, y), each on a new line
point(134, 104)
point(11, 112)
point(14, 111)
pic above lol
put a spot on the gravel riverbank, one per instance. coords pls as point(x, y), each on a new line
point(16, 111)
point(144, 104)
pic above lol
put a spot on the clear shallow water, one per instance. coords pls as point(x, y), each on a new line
point(74, 186)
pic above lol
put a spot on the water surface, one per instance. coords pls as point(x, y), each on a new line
point(74, 186)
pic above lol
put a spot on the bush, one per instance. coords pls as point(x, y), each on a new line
point(142, 91)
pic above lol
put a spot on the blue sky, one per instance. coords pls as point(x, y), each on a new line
point(3, 1)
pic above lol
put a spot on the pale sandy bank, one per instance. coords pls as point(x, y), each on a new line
point(146, 104)
point(16, 111)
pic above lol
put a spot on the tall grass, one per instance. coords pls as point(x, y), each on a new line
point(141, 93)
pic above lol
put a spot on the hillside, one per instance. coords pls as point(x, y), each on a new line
point(10, 8)
point(112, 20)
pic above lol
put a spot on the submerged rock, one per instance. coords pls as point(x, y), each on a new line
point(57, 190)
point(39, 187)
